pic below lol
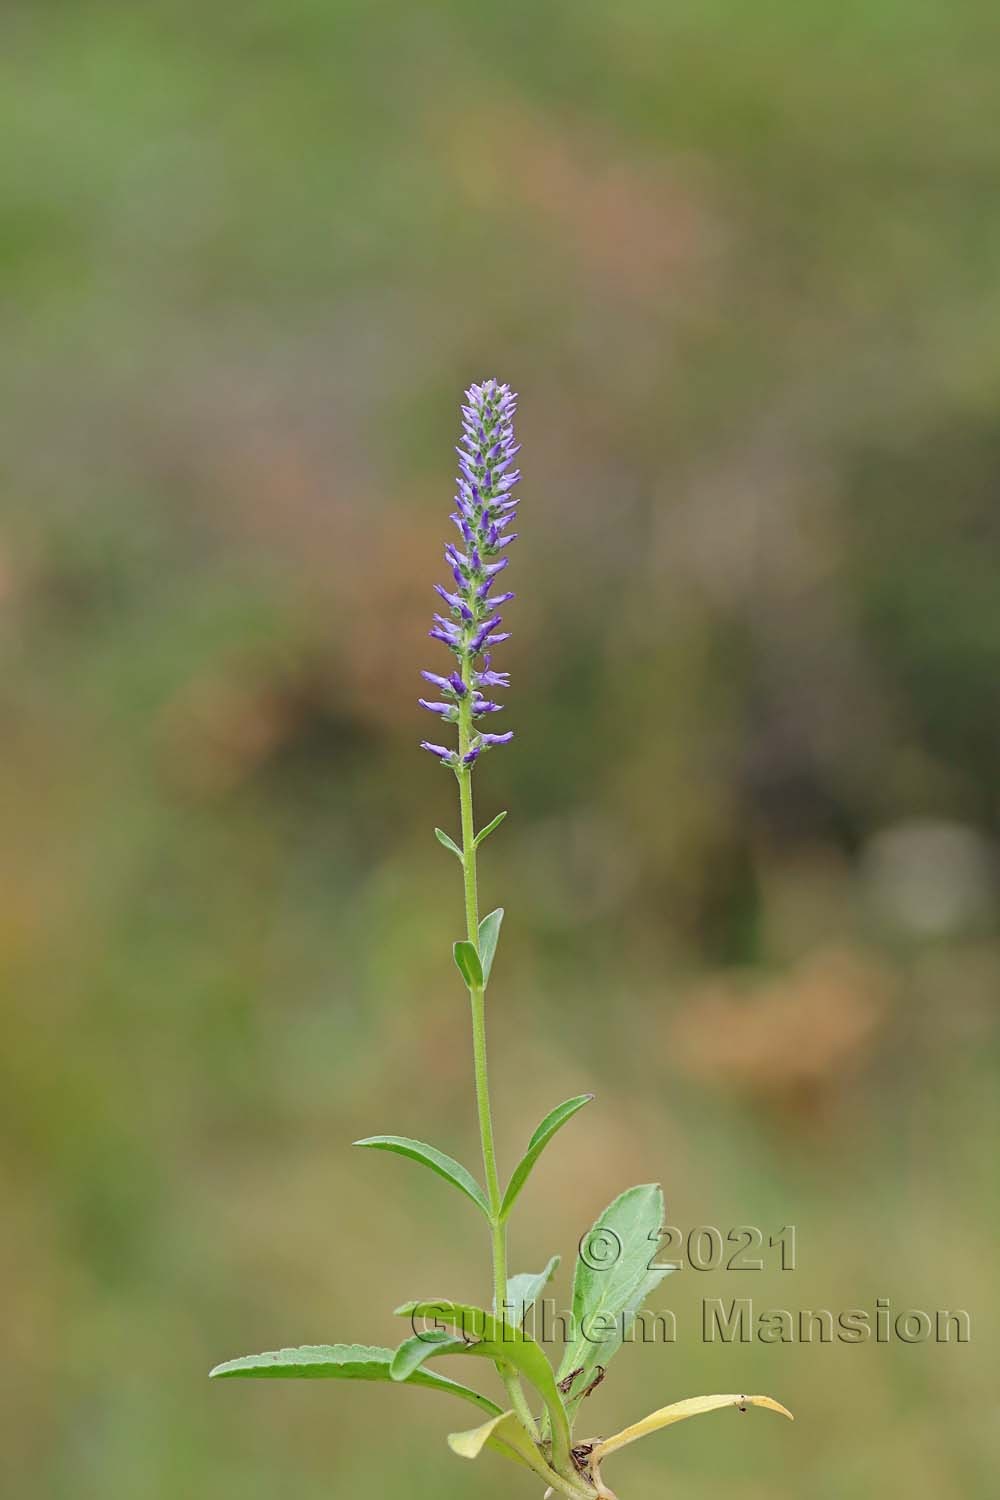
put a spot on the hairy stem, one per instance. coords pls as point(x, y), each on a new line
point(478, 1001)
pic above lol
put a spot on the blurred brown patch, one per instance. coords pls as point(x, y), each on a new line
point(226, 723)
point(636, 220)
point(788, 1042)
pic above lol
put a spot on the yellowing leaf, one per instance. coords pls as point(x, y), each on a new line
point(505, 1435)
point(694, 1406)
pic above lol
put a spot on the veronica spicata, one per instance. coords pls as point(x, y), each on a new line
point(615, 1270)
point(485, 506)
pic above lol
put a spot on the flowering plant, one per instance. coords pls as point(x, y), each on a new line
point(615, 1271)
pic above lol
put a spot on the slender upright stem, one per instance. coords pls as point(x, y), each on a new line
point(478, 999)
point(498, 1228)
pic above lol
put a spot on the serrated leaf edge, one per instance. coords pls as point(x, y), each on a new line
point(270, 1365)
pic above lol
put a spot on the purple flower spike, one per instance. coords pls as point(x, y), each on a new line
point(484, 509)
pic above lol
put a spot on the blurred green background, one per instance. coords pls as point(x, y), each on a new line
point(743, 264)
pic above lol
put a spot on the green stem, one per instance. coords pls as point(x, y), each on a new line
point(478, 1001)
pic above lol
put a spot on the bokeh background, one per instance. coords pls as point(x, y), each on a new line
point(743, 265)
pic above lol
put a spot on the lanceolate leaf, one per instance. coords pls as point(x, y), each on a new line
point(484, 833)
point(469, 965)
point(694, 1406)
point(448, 843)
point(546, 1130)
point(338, 1362)
point(498, 1339)
point(445, 1166)
point(615, 1272)
point(489, 934)
point(523, 1289)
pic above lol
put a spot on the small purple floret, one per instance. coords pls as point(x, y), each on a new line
point(441, 751)
point(443, 710)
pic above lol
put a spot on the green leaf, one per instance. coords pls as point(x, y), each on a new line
point(615, 1273)
point(484, 833)
point(505, 1435)
point(499, 1339)
point(523, 1289)
point(448, 843)
point(445, 1166)
point(469, 966)
point(536, 1146)
point(339, 1362)
point(489, 934)
point(412, 1353)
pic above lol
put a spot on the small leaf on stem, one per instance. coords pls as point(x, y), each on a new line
point(526, 1287)
point(489, 936)
point(469, 965)
point(448, 843)
point(546, 1130)
point(484, 833)
point(445, 1166)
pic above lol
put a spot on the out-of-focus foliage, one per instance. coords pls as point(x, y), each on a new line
point(742, 264)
